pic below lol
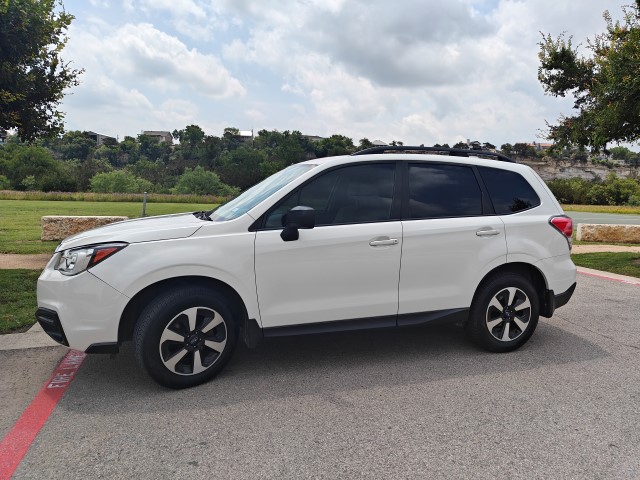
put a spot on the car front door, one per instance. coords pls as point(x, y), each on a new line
point(347, 266)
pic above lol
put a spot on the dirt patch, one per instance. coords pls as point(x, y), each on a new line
point(30, 262)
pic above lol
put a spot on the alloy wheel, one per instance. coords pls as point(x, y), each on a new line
point(193, 341)
point(508, 314)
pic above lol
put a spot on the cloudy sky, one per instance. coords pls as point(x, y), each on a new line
point(419, 71)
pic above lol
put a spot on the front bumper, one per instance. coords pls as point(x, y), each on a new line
point(79, 311)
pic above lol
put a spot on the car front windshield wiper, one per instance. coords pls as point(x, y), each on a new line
point(203, 215)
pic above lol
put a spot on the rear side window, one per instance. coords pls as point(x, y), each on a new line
point(509, 191)
point(437, 191)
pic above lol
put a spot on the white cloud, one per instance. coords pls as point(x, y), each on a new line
point(421, 71)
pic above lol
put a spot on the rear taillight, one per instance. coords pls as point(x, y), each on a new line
point(564, 225)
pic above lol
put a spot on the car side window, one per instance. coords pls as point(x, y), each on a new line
point(353, 194)
point(509, 191)
point(440, 191)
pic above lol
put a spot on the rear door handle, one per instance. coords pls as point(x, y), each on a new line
point(487, 232)
point(379, 242)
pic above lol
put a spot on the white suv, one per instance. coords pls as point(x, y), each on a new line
point(342, 243)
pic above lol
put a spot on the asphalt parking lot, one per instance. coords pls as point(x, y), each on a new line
point(413, 403)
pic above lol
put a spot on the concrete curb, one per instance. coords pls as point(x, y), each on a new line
point(36, 338)
point(33, 338)
point(609, 276)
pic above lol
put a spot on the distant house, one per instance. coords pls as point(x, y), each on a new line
point(159, 135)
point(474, 145)
point(99, 138)
point(540, 146)
point(245, 136)
point(313, 138)
point(379, 143)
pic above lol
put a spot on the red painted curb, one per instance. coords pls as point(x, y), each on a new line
point(16, 443)
point(589, 274)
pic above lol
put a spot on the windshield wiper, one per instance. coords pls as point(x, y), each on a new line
point(203, 215)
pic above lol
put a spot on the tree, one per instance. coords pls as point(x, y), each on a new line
point(604, 84)
point(506, 148)
point(33, 76)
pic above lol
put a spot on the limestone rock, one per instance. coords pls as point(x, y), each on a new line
point(59, 227)
point(593, 232)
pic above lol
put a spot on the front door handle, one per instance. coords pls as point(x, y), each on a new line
point(379, 242)
point(487, 232)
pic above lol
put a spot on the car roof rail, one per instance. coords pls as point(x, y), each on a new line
point(454, 152)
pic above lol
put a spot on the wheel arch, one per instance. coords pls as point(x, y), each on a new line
point(138, 302)
point(527, 270)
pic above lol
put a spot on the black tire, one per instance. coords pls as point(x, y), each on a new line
point(509, 327)
point(209, 332)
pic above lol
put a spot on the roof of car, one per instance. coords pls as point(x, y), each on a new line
point(428, 154)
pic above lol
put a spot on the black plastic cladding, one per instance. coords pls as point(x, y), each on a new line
point(454, 152)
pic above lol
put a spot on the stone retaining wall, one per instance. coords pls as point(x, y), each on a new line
point(59, 227)
point(593, 232)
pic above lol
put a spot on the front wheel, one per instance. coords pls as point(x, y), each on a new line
point(185, 337)
point(504, 313)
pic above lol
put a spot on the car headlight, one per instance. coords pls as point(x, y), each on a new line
point(76, 260)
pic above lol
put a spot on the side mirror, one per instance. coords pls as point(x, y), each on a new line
point(297, 218)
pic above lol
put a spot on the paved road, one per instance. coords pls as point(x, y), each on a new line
point(419, 403)
point(611, 218)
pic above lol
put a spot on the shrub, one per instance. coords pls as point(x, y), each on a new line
point(199, 181)
point(119, 181)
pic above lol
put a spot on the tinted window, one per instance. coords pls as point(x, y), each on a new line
point(443, 191)
point(509, 191)
point(355, 194)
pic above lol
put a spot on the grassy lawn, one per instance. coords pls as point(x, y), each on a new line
point(602, 209)
point(17, 299)
point(20, 219)
point(621, 263)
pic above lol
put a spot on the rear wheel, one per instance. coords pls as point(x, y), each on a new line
point(185, 337)
point(504, 313)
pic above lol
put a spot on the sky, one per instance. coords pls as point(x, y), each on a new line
point(416, 71)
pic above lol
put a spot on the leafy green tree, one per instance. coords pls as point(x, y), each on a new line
point(364, 144)
point(334, 145)
point(199, 181)
point(18, 162)
point(283, 148)
point(506, 148)
point(243, 167)
point(75, 144)
point(604, 84)
point(33, 76)
point(5, 184)
point(523, 150)
point(461, 145)
point(151, 148)
point(155, 172)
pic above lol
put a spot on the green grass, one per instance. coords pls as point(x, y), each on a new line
point(110, 197)
point(17, 299)
point(624, 209)
point(20, 219)
point(621, 263)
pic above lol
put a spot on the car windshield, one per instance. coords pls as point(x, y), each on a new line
point(256, 194)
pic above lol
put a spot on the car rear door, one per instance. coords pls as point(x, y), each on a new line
point(451, 240)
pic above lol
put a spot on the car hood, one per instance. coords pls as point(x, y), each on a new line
point(163, 227)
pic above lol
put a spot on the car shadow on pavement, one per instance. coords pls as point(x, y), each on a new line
point(321, 364)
